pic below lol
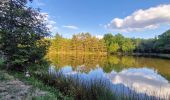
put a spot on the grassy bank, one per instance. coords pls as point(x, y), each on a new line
point(52, 93)
point(78, 88)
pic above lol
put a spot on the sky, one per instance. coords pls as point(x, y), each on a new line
point(132, 18)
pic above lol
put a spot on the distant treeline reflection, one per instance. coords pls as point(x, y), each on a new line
point(85, 62)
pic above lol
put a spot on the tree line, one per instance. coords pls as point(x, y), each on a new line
point(111, 44)
point(160, 44)
point(80, 43)
point(120, 44)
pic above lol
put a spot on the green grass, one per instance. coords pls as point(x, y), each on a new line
point(76, 88)
point(5, 76)
point(1, 62)
point(52, 93)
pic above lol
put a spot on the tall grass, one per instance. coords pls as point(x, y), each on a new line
point(96, 89)
point(1, 62)
point(77, 88)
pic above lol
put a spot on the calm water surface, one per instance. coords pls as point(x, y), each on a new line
point(149, 76)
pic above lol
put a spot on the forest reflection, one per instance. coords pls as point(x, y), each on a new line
point(88, 62)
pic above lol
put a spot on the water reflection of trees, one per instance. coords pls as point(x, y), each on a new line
point(162, 66)
point(108, 63)
point(86, 62)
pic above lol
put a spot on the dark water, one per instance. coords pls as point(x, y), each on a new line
point(149, 76)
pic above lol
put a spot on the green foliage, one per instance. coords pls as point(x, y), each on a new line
point(118, 43)
point(1, 62)
point(108, 39)
point(128, 46)
point(80, 89)
point(80, 43)
point(163, 42)
point(154, 45)
point(21, 29)
point(84, 42)
point(114, 48)
point(36, 83)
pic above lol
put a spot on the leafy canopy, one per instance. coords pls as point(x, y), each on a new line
point(21, 29)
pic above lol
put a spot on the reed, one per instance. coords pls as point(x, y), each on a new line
point(96, 89)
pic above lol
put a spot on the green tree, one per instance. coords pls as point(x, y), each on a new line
point(119, 38)
point(163, 42)
point(114, 48)
point(79, 43)
point(108, 40)
point(21, 27)
point(128, 46)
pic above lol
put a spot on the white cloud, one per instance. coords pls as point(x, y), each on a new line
point(142, 19)
point(70, 27)
point(142, 80)
point(51, 24)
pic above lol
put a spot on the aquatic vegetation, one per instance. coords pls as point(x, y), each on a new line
point(95, 89)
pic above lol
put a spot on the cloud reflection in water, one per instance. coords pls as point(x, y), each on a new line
point(141, 80)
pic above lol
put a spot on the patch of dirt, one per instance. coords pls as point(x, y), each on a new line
point(13, 89)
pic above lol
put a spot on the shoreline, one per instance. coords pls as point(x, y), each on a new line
point(155, 55)
point(158, 55)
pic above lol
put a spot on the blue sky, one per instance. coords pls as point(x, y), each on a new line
point(147, 18)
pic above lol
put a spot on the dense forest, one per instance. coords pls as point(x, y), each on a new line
point(118, 43)
point(160, 44)
point(80, 43)
point(112, 44)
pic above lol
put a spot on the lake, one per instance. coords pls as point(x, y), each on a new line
point(125, 74)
